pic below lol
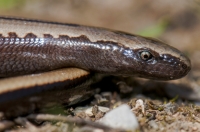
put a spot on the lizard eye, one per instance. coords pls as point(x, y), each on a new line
point(145, 55)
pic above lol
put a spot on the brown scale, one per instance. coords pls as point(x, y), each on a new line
point(12, 35)
point(30, 35)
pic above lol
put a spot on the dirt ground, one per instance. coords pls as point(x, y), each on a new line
point(168, 106)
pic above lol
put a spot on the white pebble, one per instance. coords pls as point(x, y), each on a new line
point(121, 118)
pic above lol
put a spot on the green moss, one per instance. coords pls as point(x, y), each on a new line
point(8, 4)
point(174, 99)
point(154, 30)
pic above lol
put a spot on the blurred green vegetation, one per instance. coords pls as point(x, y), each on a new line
point(155, 30)
point(59, 109)
point(8, 4)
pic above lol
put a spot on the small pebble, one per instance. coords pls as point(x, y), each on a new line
point(153, 124)
point(139, 104)
point(88, 110)
point(121, 118)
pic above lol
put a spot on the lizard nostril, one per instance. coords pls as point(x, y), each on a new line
point(184, 66)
